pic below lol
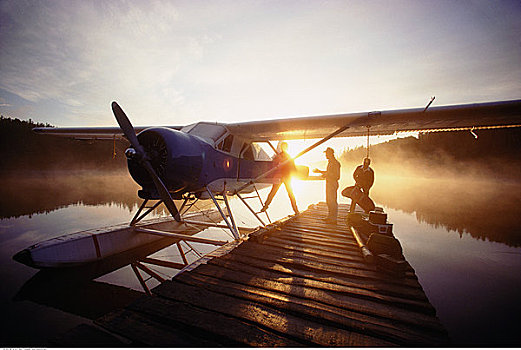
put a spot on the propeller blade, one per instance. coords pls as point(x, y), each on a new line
point(163, 191)
point(128, 130)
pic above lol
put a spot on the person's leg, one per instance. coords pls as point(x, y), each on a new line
point(272, 194)
point(354, 197)
point(334, 202)
point(353, 206)
point(330, 200)
point(291, 196)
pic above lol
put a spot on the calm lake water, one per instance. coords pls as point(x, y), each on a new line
point(462, 237)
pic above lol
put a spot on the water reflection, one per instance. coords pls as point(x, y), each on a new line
point(85, 298)
point(484, 209)
point(44, 192)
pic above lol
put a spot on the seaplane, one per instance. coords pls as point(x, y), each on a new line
point(213, 161)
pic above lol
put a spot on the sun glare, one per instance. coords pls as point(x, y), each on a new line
point(298, 187)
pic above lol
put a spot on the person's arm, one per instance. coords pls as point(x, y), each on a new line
point(371, 178)
point(355, 175)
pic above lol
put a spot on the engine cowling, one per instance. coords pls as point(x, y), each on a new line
point(176, 157)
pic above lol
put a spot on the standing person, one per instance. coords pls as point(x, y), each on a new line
point(332, 175)
point(364, 179)
point(285, 173)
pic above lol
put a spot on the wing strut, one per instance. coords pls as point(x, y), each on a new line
point(272, 170)
point(251, 209)
point(230, 227)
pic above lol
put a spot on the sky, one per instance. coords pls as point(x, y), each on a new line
point(178, 62)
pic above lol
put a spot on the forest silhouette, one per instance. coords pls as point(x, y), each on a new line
point(23, 151)
point(494, 152)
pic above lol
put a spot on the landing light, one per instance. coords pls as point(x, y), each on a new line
point(227, 163)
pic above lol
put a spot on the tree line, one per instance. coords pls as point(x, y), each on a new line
point(495, 152)
point(22, 150)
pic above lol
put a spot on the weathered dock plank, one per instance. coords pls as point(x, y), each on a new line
point(307, 308)
point(302, 288)
point(379, 286)
point(301, 283)
point(144, 330)
point(296, 279)
point(266, 316)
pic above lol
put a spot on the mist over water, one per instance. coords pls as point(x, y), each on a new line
point(466, 197)
point(482, 206)
point(485, 209)
point(43, 192)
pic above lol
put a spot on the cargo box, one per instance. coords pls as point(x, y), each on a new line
point(377, 218)
point(383, 244)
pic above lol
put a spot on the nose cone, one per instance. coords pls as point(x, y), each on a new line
point(24, 257)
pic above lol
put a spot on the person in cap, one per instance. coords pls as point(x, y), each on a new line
point(285, 177)
point(332, 175)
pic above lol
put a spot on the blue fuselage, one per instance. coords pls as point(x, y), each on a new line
point(188, 163)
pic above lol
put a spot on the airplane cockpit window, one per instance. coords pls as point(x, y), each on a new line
point(211, 132)
point(260, 151)
point(227, 144)
point(247, 152)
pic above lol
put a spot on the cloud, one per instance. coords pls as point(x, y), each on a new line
point(84, 54)
point(178, 62)
point(4, 103)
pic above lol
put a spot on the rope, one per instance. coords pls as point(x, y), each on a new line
point(114, 149)
point(368, 144)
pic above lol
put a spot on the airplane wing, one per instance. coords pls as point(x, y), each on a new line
point(447, 118)
point(92, 133)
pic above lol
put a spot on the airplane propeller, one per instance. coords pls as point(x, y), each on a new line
point(128, 130)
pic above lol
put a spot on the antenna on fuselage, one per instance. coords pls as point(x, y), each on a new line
point(428, 104)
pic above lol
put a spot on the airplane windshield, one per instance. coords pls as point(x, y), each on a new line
point(211, 132)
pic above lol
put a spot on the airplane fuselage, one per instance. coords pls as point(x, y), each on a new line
point(188, 162)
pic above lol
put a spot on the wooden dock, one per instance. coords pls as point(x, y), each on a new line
point(300, 283)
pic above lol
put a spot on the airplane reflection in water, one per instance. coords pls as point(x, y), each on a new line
point(75, 290)
point(485, 209)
